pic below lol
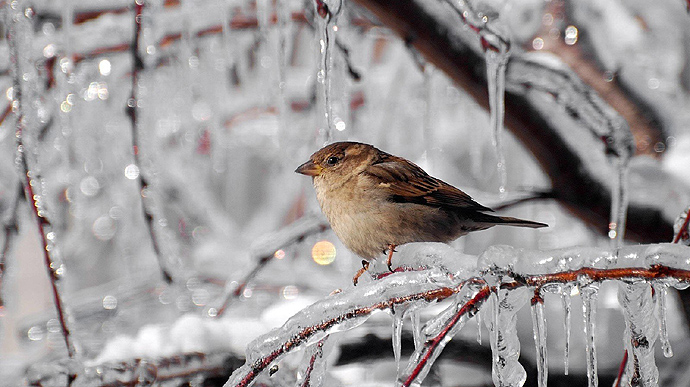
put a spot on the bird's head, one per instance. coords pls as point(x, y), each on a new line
point(338, 162)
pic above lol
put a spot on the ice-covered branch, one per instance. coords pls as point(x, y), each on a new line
point(151, 219)
point(516, 269)
point(19, 35)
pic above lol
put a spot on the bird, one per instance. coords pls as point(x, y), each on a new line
point(375, 201)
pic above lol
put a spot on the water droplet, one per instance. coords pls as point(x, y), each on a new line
point(104, 228)
point(35, 333)
point(89, 186)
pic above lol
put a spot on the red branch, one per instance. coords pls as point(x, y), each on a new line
point(621, 369)
point(318, 352)
point(683, 232)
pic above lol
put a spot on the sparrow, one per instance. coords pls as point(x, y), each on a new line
point(375, 201)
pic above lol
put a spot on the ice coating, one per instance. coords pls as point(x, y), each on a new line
point(505, 346)
point(641, 331)
point(589, 313)
point(530, 262)
point(539, 327)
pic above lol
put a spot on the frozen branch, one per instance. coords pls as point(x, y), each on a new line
point(18, 36)
point(133, 112)
point(266, 249)
point(586, 268)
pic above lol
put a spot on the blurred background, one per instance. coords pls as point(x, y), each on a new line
point(197, 119)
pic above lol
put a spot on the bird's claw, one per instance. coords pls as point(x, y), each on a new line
point(365, 267)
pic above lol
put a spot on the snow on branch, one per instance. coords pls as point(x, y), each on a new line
point(510, 278)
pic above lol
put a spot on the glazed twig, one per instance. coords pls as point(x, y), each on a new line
point(132, 110)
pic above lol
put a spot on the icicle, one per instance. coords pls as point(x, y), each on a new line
point(641, 331)
point(619, 204)
point(416, 329)
point(326, 16)
point(505, 346)
point(397, 336)
point(589, 314)
point(496, 77)
point(565, 297)
point(660, 291)
point(478, 317)
point(539, 327)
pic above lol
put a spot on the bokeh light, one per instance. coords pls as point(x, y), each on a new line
point(323, 252)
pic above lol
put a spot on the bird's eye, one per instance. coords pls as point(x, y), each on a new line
point(332, 160)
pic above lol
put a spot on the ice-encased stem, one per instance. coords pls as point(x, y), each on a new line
point(539, 328)
point(589, 315)
point(660, 292)
point(438, 332)
point(315, 369)
point(566, 299)
point(641, 330)
point(496, 79)
point(505, 346)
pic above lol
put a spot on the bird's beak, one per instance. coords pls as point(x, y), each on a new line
point(309, 169)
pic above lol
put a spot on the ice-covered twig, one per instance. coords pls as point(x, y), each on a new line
point(133, 112)
point(18, 36)
point(265, 249)
point(317, 353)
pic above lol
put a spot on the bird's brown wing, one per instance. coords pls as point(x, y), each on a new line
point(408, 183)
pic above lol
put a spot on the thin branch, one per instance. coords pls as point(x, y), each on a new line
point(30, 179)
point(291, 234)
point(132, 110)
